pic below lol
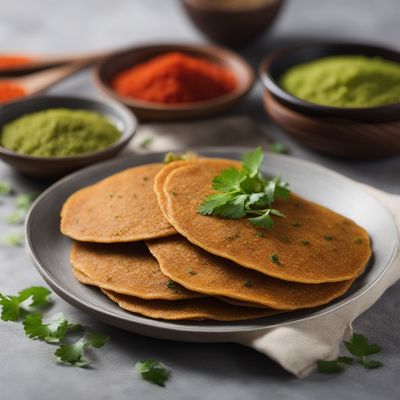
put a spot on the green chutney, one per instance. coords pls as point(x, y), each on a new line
point(345, 81)
point(59, 132)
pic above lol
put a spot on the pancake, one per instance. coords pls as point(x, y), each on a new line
point(82, 278)
point(206, 273)
point(311, 245)
point(120, 208)
point(161, 177)
point(194, 309)
point(126, 268)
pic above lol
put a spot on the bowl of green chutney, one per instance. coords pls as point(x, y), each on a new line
point(341, 99)
point(49, 137)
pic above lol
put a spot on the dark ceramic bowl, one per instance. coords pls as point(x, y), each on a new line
point(362, 133)
point(232, 25)
point(107, 70)
point(55, 167)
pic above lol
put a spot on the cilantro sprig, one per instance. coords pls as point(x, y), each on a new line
point(26, 301)
point(153, 371)
point(358, 346)
point(74, 353)
point(246, 192)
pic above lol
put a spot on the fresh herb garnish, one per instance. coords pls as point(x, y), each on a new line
point(358, 240)
point(28, 300)
point(13, 239)
point(171, 285)
point(245, 192)
point(5, 188)
point(358, 346)
point(278, 148)
point(305, 242)
point(328, 237)
point(146, 143)
point(73, 353)
point(52, 332)
point(274, 258)
point(22, 204)
point(260, 234)
point(170, 157)
point(248, 283)
point(153, 371)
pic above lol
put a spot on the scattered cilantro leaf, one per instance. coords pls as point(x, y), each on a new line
point(24, 201)
point(245, 192)
point(170, 157)
point(28, 300)
point(146, 143)
point(153, 371)
point(278, 148)
point(5, 188)
point(16, 217)
point(53, 332)
point(359, 346)
point(13, 239)
point(74, 353)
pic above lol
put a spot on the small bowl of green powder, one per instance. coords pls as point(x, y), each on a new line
point(49, 137)
point(341, 99)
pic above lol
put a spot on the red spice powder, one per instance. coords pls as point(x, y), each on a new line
point(10, 91)
point(13, 61)
point(175, 78)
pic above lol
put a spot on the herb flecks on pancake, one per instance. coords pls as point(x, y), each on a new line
point(245, 192)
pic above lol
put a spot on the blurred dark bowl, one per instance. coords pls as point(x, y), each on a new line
point(232, 25)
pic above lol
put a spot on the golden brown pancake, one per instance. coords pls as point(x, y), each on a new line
point(311, 245)
point(120, 208)
point(126, 268)
point(194, 309)
point(206, 273)
point(82, 278)
point(161, 177)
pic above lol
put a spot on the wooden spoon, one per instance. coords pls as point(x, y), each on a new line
point(38, 62)
point(39, 82)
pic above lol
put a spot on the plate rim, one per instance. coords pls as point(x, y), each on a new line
point(168, 326)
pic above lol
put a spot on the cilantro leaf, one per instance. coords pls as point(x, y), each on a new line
point(10, 308)
point(214, 201)
point(28, 300)
point(16, 217)
point(5, 188)
point(229, 179)
point(24, 201)
point(263, 221)
point(233, 208)
point(73, 353)
point(153, 371)
point(371, 364)
point(359, 346)
point(53, 332)
point(13, 239)
point(252, 161)
point(278, 148)
point(245, 192)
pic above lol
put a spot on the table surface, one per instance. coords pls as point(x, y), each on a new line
point(206, 371)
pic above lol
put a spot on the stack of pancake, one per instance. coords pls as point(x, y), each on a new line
point(139, 237)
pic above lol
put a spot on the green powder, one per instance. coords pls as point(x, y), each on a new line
point(59, 132)
point(345, 81)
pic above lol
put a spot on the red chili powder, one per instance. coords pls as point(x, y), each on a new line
point(175, 78)
point(10, 91)
point(13, 61)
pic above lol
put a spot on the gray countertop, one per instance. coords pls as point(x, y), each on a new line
point(199, 371)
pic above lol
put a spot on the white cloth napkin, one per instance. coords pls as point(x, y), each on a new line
point(298, 346)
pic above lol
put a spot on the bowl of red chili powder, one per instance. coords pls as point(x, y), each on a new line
point(175, 82)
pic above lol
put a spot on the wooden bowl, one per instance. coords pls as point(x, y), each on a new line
point(232, 25)
point(56, 167)
point(107, 70)
point(358, 133)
